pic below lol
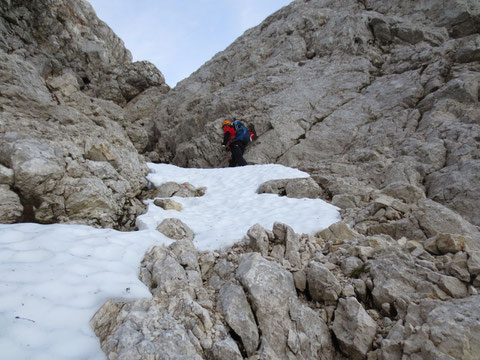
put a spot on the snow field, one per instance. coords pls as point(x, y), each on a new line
point(231, 205)
point(53, 278)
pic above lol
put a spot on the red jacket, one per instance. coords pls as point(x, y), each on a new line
point(228, 135)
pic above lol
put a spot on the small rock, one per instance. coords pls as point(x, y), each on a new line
point(374, 314)
point(300, 280)
point(350, 263)
point(348, 291)
point(402, 241)
point(369, 283)
point(258, 239)
point(168, 204)
point(385, 202)
point(386, 308)
point(452, 286)
point(186, 254)
point(387, 322)
point(165, 190)
point(322, 284)
point(206, 261)
point(282, 232)
point(360, 289)
point(404, 191)
point(431, 246)
point(418, 252)
point(449, 243)
point(392, 214)
point(345, 201)
point(285, 235)
point(473, 262)
point(337, 233)
point(292, 341)
point(364, 252)
point(175, 229)
point(294, 188)
point(458, 267)
point(278, 252)
point(171, 188)
point(413, 245)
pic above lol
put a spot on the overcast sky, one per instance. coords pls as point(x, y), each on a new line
point(178, 36)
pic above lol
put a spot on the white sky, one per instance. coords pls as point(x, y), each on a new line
point(53, 278)
point(179, 36)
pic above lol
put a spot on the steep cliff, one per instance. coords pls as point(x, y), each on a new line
point(66, 131)
point(364, 93)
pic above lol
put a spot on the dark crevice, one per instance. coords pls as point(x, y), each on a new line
point(29, 206)
point(335, 343)
point(239, 342)
point(255, 318)
point(153, 286)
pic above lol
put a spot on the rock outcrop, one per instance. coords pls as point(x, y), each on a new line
point(353, 297)
point(68, 139)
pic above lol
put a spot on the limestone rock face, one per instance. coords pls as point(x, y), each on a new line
point(11, 209)
point(445, 329)
point(399, 301)
point(66, 141)
point(367, 95)
point(53, 34)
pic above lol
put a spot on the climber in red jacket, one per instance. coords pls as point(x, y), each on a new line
point(237, 147)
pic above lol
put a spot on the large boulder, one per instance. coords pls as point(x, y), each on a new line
point(233, 304)
point(271, 289)
point(140, 330)
point(288, 328)
point(354, 329)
